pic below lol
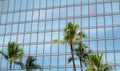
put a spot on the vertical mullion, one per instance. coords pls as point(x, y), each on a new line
point(44, 33)
point(66, 43)
point(19, 21)
point(50, 38)
point(4, 28)
point(105, 32)
point(113, 38)
point(12, 25)
point(88, 24)
point(58, 37)
point(96, 29)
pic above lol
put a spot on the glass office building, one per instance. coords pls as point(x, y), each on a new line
point(34, 23)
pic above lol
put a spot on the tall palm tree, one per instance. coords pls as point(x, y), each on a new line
point(13, 53)
point(70, 35)
point(81, 54)
point(30, 64)
point(95, 63)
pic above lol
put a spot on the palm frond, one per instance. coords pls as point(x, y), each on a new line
point(70, 59)
point(5, 55)
point(20, 63)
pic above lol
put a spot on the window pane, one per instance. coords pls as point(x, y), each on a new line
point(49, 13)
point(41, 26)
point(11, 5)
point(108, 20)
point(40, 37)
point(15, 28)
point(21, 27)
point(2, 28)
point(55, 24)
point(99, 8)
point(3, 18)
point(49, 3)
point(116, 19)
point(78, 11)
point(101, 44)
point(85, 9)
point(100, 20)
point(30, 4)
point(34, 26)
point(56, 2)
point(33, 49)
point(22, 16)
point(8, 28)
point(108, 32)
point(27, 38)
point(62, 12)
point(42, 14)
point(115, 6)
point(28, 27)
point(35, 15)
point(48, 25)
point(92, 9)
point(23, 5)
point(56, 13)
point(29, 15)
point(16, 17)
point(84, 22)
point(70, 11)
point(17, 4)
point(43, 3)
point(107, 7)
point(48, 38)
point(109, 44)
point(36, 3)
point(101, 33)
point(34, 37)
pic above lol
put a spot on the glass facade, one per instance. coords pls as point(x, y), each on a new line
point(34, 23)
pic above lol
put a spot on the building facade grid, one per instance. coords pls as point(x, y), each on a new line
point(34, 23)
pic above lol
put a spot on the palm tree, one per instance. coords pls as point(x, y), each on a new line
point(13, 53)
point(30, 64)
point(70, 35)
point(81, 54)
point(95, 63)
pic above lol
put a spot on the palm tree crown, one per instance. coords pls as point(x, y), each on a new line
point(13, 52)
point(30, 64)
point(95, 63)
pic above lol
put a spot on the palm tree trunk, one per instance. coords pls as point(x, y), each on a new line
point(74, 67)
point(81, 63)
point(10, 65)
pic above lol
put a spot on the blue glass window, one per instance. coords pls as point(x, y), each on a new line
point(62, 12)
point(115, 6)
point(78, 11)
point(36, 3)
point(17, 4)
point(29, 15)
point(3, 18)
point(30, 4)
point(70, 11)
point(100, 9)
point(100, 45)
point(35, 15)
point(108, 8)
point(85, 10)
point(116, 19)
point(108, 20)
point(56, 13)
